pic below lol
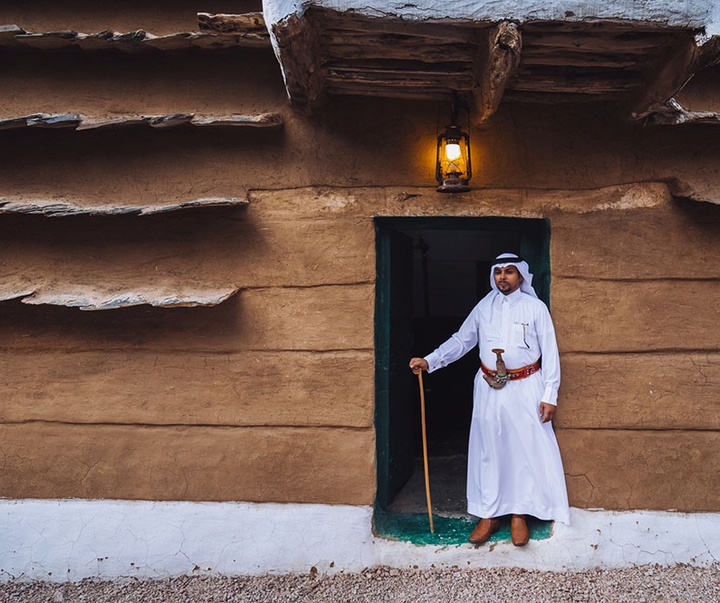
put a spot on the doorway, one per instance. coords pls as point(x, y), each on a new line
point(430, 273)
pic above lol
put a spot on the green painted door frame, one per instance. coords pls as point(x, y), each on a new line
point(395, 386)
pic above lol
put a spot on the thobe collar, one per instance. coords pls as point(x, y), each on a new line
point(513, 298)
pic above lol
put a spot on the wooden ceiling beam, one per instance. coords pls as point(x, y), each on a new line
point(246, 23)
point(709, 54)
point(586, 61)
point(398, 39)
point(398, 66)
point(602, 27)
point(298, 51)
point(344, 53)
point(556, 97)
point(428, 53)
point(503, 58)
point(672, 72)
point(451, 81)
point(578, 58)
point(642, 43)
point(347, 24)
point(578, 83)
point(337, 86)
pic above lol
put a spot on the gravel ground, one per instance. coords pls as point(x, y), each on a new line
point(637, 585)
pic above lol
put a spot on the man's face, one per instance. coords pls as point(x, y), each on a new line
point(507, 279)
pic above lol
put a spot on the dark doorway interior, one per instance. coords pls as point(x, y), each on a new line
point(431, 273)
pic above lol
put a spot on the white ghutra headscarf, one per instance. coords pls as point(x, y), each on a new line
point(511, 259)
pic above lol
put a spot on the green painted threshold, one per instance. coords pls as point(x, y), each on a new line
point(415, 528)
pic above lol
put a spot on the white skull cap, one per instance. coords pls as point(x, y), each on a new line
point(512, 259)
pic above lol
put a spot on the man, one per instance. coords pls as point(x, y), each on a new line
point(514, 464)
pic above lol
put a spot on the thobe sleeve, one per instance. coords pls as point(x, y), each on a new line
point(457, 346)
point(550, 357)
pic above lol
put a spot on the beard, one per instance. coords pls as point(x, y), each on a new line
point(506, 287)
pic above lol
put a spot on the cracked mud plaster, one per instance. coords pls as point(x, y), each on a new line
point(581, 487)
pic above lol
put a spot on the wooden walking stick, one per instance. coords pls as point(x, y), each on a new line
point(425, 452)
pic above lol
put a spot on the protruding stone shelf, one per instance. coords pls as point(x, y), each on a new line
point(64, 207)
point(14, 36)
point(78, 121)
point(672, 113)
point(90, 298)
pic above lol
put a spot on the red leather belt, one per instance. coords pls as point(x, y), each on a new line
point(514, 374)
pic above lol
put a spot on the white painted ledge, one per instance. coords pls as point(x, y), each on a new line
point(70, 540)
point(674, 13)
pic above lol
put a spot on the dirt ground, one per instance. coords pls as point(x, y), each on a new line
point(643, 584)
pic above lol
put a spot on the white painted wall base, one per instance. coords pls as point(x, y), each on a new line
point(75, 539)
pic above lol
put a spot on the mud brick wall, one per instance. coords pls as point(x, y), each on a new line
point(260, 386)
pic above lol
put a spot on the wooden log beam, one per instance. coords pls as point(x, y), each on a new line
point(503, 58)
point(347, 23)
point(400, 66)
point(601, 42)
point(672, 72)
point(381, 81)
point(399, 75)
point(553, 97)
point(298, 51)
point(576, 58)
point(597, 28)
point(709, 54)
point(427, 53)
point(338, 86)
point(393, 40)
point(212, 41)
point(246, 23)
point(576, 83)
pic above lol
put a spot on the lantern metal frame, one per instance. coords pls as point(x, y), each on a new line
point(453, 182)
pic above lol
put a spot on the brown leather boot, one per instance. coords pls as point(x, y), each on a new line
point(484, 529)
point(519, 531)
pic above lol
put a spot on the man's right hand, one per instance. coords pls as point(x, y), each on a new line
point(417, 365)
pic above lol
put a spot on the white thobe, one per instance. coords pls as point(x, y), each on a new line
point(514, 464)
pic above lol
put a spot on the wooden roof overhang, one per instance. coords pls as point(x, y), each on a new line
point(636, 62)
